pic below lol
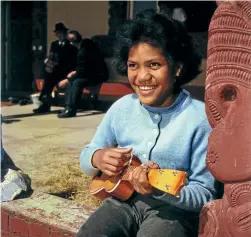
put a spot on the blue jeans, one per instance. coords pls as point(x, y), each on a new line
point(141, 216)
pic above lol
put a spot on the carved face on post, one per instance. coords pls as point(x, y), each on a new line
point(228, 93)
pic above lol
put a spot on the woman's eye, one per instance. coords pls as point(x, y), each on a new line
point(154, 64)
point(132, 65)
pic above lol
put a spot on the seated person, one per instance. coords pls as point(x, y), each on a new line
point(91, 70)
point(162, 125)
point(61, 61)
point(14, 182)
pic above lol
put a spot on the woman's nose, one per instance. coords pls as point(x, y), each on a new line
point(143, 75)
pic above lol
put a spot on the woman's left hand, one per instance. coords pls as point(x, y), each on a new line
point(138, 178)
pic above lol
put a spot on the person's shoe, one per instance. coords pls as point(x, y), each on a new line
point(67, 113)
point(13, 100)
point(24, 102)
point(44, 108)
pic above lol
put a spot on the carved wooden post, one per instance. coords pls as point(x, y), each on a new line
point(228, 105)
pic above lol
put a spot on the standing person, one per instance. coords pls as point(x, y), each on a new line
point(61, 61)
point(91, 70)
point(162, 125)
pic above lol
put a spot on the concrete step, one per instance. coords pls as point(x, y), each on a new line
point(42, 215)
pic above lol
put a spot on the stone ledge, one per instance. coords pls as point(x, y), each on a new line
point(42, 215)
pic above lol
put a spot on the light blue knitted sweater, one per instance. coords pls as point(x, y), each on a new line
point(175, 137)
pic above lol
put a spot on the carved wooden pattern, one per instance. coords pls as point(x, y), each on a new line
point(228, 107)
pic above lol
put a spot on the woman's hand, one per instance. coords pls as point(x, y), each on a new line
point(111, 161)
point(139, 180)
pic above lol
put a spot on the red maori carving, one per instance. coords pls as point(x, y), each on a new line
point(228, 107)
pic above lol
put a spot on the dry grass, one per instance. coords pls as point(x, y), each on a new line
point(68, 181)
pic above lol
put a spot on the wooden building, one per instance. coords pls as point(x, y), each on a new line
point(27, 30)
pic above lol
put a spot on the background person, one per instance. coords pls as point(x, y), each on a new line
point(61, 61)
point(90, 70)
point(14, 182)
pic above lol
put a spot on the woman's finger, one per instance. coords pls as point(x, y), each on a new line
point(114, 162)
point(137, 177)
point(122, 150)
point(152, 165)
point(140, 180)
point(114, 169)
point(114, 154)
point(109, 173)
point(133, 178)
point(144, 185)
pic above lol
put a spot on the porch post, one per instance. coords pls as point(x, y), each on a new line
point(117, 15)
point(139, 6)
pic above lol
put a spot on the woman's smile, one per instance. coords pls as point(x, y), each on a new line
point(146, 90)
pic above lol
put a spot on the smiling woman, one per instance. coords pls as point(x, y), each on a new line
point(150, 75)
point(170, 39)
point(162, 125)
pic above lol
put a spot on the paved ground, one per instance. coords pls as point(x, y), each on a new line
point(37, 142)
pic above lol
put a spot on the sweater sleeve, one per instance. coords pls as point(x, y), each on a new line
point(103, 138)
point(200, 187)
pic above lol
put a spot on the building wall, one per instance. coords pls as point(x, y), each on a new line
point(88, 17)
point(91, 18)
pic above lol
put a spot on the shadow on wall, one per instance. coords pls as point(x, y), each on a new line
point(198, 92)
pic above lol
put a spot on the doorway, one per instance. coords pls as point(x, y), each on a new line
point(18, 60)
point(22, 25)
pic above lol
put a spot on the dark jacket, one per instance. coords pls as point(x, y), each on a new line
point(65, 56)
point(90, 63)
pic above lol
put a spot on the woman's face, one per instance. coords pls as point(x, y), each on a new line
point(150, 75)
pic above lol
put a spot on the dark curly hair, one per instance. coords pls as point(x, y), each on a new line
point(159, 30)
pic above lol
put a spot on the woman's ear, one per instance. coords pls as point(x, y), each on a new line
point(178, 72)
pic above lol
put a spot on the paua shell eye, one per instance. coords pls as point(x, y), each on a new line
point(228, 93)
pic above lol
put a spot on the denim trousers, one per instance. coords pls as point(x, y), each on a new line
point(140, 216)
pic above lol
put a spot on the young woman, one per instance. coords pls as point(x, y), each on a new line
point(160, 124)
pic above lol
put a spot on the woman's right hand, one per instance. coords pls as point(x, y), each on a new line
point(111, 161)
